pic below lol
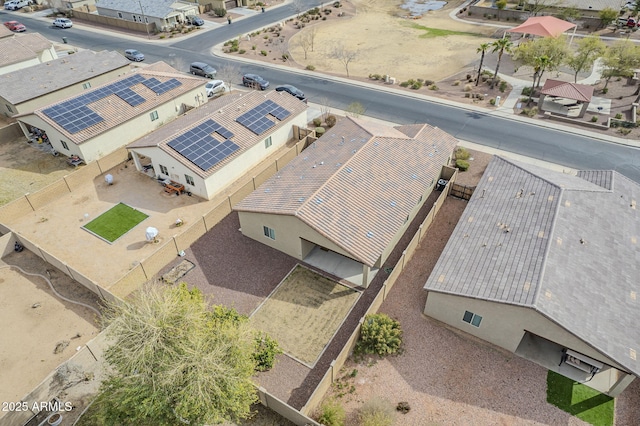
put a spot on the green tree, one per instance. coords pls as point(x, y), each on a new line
point(607, 16)
point(542, 54)
point(569, 13)
point(620, 60)
point(501, 5)
point(589, 49)
point(175, 361)
point(501, 46)
point(481, 49)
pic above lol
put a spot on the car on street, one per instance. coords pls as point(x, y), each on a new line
point(215, 88)
point(15, 4)
point(293, 91)
point(15, 26)
point(134, 55)
point(254, 81)
point(202, 69)
point(63, 23)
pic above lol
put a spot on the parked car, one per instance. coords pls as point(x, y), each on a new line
point(203, 69)
point(215, 87)
point(134, 55)
point(63, 23)
point(255, 81)
point(15, 26)
point(16, 4)
point(195, 20)
point(293, 91)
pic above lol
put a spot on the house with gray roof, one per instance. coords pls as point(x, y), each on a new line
point(212, 146)
point(24, 50)
point(163, 13)
point(109, 116)
point(345, 201)
point(31, 88)
point(544, 264)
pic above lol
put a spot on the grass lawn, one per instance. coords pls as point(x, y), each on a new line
point(115, 222)
point(579, 400)
point(437, 32)
point(304, 312)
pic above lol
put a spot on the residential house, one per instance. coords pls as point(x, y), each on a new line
point(110, 116)
point(215, 144)
point(209, 5)
point(31, 88)
point(163, 13)
point(344, 202)
point(544, 264)
point(24, 50)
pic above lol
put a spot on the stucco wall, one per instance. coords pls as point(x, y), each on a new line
point(504, 325)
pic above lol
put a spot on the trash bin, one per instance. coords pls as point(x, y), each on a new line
point(64, 40)
point(262, 9)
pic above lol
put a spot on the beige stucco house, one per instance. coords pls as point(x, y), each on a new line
point(163, 13)
point(24, 50)
point(344, 202)
point(544, 265)
point(110, 116)
point(31, 88)
point(211, 146)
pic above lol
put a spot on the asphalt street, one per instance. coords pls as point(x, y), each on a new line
point(570, 149)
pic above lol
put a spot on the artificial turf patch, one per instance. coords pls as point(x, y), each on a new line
point(115, 222)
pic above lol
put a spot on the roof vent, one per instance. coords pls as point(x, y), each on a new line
point(318, 200)
point(301, 199)
point(314, 166)
point(305, 158)
point(349, 169)
point(354, 151)
point(278, 177)
point(342, 140)
point(369, 234)
point(322, 163)
point(393, 204)
point(414, 176)
point(267, 190)
point(352, 140)
point(376, 144)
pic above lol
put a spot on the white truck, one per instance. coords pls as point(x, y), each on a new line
point(15, 4)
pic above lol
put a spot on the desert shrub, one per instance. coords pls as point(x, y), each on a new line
point(619, 116)
point(468, 87)
point(234, 49)
point(605, 90)
point(457, 83)
point(377, 77)
point(263, 52)
point(433, 87)
point(285, 57)
point(594, 119)
point(467, 95)
point(331, 414)
point(324, 18)
point(624, 131)
point(530, 112)
point(320, 131)
point(219, 12)
point(403, 407)
point(461, 153)
point(265, 37)
point(492, 101)
point(404, 84)
point(337, 4)
point(317, 122)
point(330, 120)
point(379, 335)
point(527, 91)
point(462, 165)
point(503, 86)
point(265, 352)
point(416, 85)
point(428, 82)
point(242, 51)
point(253, 47)
point(310, 68)
point(376, 412)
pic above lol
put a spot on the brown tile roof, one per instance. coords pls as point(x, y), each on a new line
point(564, 89)
point(21, 47)
point(224, 111)
point(116, 111)
point(355, 186)
point(32, 82)
point(5, 32)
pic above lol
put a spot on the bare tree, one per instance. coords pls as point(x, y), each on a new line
point(325, 107)
point(344, 55)
point(355, 109)
point(303, 40)
point(230, 74)
point(313, 32)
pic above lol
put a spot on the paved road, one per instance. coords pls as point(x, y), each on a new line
point(572, 150)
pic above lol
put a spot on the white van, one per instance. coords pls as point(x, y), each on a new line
point(16, 4)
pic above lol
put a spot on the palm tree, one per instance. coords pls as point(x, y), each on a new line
point(502, 45)
point(541, 64)
point(483, 48)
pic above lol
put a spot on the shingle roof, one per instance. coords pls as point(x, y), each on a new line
point(116, 111)
point(571, 251)
point(224, 111)
point(151, 8)
point(21, 47)
point(32, 82)
point(357, 184)
point(565, 89)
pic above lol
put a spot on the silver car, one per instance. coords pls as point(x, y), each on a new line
point(134, 55)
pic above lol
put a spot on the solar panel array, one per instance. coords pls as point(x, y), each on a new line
point(74, 115)
point(256, 119)
point(198, 146)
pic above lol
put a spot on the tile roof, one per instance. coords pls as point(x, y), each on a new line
point(116, 111)
point(357, 183)
point(565, 89)
point(151, 8)
point(224, 111)
point(32, 82)
point(21, 47)
point(566, 246)
point(5, 32)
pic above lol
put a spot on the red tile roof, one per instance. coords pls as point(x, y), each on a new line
point(564, 89)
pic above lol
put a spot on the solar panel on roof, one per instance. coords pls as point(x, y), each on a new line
point(256, 119)
point(130, 97)
point(198, 146)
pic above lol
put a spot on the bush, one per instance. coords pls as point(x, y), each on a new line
point(253, 47)
point(242, 51)
point(462, 165)
point(404, 84)
point(457, 83)
point(263, 52)
point(530, 112)
point(605, 90)
point(416, 85)
point(317, 122)
point(337, 4)
point(403, 407)
point(594, 119)
point(619, 116)
point(468, 87)
point(220, 12)
point(433, 87)
point(428, 82)
point(265, 352)
point(503, 86)
point(320, 131)
point(527, 91)
point(376, 412)
point(330, 120)
point(331, 414)
point(310, 68)
point(462, 154)
point(379, 335)
point(492, 101)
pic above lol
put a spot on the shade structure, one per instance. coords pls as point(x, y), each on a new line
point(543, 26)
point(564, 89)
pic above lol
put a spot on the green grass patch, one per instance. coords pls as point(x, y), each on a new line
point(579, 400)
point(437, 32)
point(115, 222)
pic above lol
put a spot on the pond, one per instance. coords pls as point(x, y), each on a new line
point(419, 7)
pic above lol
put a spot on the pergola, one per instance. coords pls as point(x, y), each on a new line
point(544, 26)
point(570, 99)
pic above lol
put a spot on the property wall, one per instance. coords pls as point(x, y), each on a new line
point(504, 325)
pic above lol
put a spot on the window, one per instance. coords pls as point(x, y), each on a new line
point(189, 180)
point(471, 318)
point(9, 107)
point(267, 142)
point(269, 233)
point(86, 85)
point(64, 145)
point(154, 115)
point(164, 170)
